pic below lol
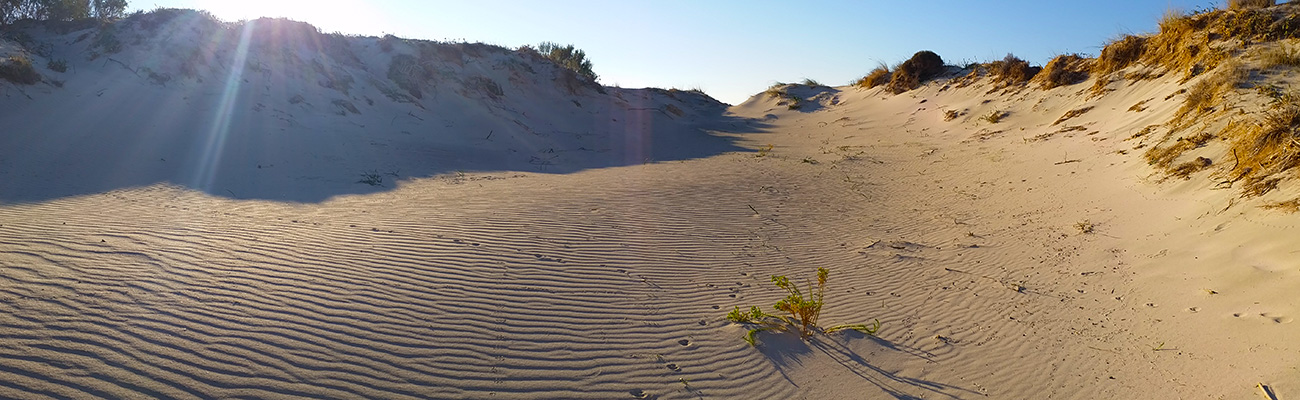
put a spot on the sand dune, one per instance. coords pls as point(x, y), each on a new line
point(1017, 259)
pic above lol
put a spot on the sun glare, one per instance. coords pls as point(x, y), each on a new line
point(346, 16)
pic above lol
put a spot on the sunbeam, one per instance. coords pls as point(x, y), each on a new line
point(212, 148)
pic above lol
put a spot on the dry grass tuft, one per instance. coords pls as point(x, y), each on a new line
point(1282, 54)
point(1011, 71)
point(1064, 70)
point(1163, 157)
point(1071, 114)
point(923, 66)
point(1206, 94)
point(878, 76)
point(18, 69)
point(1266, 149)
point(1249, 4)
point(1119, 54)
point(1185, 170)
point(1290, 206)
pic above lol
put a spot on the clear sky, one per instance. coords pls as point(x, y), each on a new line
point(733, 48)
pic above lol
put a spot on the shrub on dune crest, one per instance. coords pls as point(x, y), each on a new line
point(568, 57)
point(1011, 71)
point(923, 66)
point(1064, 70)
point(1119, 54)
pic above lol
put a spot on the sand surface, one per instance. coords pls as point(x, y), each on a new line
point(608, 277)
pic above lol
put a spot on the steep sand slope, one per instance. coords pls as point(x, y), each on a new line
point(964, 238)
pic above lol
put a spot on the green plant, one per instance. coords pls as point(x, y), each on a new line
point(799, 310)
point(57, 65)
point(372, 178)
point(568, 57)
point(811, 82)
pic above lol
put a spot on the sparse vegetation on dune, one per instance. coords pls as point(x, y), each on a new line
point(1247, 4)
point(797, 312)
point(1063, 70)
point(18, 69)
point(878, 76)
point(1011, 71)
point(568, 57)
point(781, 91)
point(923, 66)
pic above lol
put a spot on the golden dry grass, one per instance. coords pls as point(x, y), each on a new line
point(1063, 70)
point(1248, 4)
point(1071, 114)
point(18, 69)
point(1010, 71)
point(878, 76)
point(1164, 156)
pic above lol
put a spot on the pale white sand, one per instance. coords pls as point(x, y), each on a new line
point(592, 251)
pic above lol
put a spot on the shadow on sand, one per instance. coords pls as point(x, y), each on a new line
point(55, 148)
point(787, 350)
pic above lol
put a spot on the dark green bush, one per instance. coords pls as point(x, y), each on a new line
point(923, 66)
point(568, 57)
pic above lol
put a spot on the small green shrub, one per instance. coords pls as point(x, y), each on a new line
point(798, 310)
point(568, 57)
point(372, 178)
point(18, 69)
point(57, 65)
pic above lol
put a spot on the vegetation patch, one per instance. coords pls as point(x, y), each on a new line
point(781, 91)
point(1063, 70)
point(1249, 4)
point(797, 312)
point(878, 76)
point(1011, 71)
point(568, 57)
point(1071, 114)
point(923, 66)
point(18, 69)
point(1164, 156)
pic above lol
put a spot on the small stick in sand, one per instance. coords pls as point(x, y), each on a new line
point(1265, 391)
point(751, 208)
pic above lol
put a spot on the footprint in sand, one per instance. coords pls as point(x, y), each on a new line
point(638, 394)
point(1276, 318)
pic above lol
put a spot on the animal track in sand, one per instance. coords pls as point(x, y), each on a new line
point(1277, 319)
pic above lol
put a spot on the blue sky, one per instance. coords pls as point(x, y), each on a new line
point(733, 49)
